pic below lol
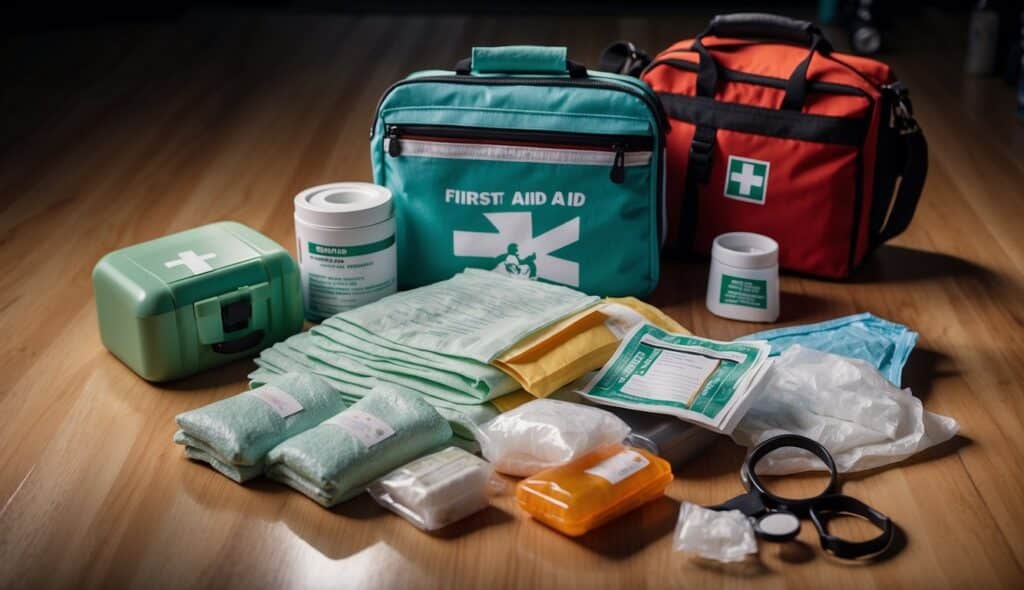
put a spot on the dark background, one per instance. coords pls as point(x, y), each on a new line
point(51, 52)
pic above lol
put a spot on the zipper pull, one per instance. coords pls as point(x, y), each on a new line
point(618, 173)
point(394, 146)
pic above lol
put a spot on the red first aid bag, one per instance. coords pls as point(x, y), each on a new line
point(773, 132)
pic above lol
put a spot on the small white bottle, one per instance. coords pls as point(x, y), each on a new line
point(743, 283)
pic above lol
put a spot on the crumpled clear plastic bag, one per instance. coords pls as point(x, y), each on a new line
point(843, 403)
point(724, 535)
point(546, 433)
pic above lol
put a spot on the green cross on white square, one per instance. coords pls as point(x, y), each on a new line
point(746, 179)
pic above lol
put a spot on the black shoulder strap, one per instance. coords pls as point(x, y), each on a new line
point(622, 57)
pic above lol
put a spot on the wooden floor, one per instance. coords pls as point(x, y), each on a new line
point(119, 134)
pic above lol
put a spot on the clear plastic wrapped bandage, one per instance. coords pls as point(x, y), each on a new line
point(545, 433)
point(438, 489)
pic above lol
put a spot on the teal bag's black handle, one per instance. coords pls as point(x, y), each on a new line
point(754, 25)
point(520, 59)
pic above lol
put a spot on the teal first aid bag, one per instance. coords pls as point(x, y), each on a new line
point(525, 163)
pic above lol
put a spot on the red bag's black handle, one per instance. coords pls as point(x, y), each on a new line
point(752, 25)
point(759, 25)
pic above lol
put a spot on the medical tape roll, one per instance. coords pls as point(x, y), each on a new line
point(345, 235)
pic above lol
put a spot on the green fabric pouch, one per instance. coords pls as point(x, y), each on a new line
point(337, 460)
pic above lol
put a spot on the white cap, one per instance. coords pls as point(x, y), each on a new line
point(344, 204)
point(745, 250)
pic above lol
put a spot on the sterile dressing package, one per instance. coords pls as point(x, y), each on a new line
point(438, 489)
point(336, 460)
point(559, 354)
point(703, 381)
point(722, 535)
point(545, 433)
point(594, 489)
point(845, 404)
point(237, 432)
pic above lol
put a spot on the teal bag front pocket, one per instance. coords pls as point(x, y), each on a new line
point(568, 208)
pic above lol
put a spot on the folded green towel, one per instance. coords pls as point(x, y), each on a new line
point(337, 460)
point(474, 378)
point(281, 358)
point(196, 450)
point(240, 430)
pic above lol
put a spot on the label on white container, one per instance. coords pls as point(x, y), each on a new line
point(619, 467)
point(279, 400)
point(744, 291)
point(367, 428)
point(339, 278)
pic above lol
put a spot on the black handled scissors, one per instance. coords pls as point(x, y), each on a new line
point(777, 519)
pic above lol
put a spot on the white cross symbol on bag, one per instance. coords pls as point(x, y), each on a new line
point(746, 179)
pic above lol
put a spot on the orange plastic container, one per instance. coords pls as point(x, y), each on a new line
point(594, 489)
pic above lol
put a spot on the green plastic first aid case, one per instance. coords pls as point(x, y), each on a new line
point(197, 299)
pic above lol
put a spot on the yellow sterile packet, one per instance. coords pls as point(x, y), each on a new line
point(561, 353)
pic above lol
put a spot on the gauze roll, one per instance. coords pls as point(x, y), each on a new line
point(845, 404)
point(241, 429)
point(546, 433)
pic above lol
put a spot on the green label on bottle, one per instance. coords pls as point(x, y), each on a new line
point(745, 292)
point(360, 250)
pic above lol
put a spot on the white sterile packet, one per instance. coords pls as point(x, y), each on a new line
point(845, 404)
point(725, 535)
point(545, 433)
point(438, 489)
point(706, 382)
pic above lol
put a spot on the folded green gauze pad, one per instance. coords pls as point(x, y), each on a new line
point(338, 459)
point(240, 430)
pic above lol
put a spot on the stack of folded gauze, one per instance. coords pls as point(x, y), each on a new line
point(337, 460)
point(234, 435)
point(438, 341)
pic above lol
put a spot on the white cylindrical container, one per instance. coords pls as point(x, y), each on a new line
point(743, 283)
point(345, 235)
